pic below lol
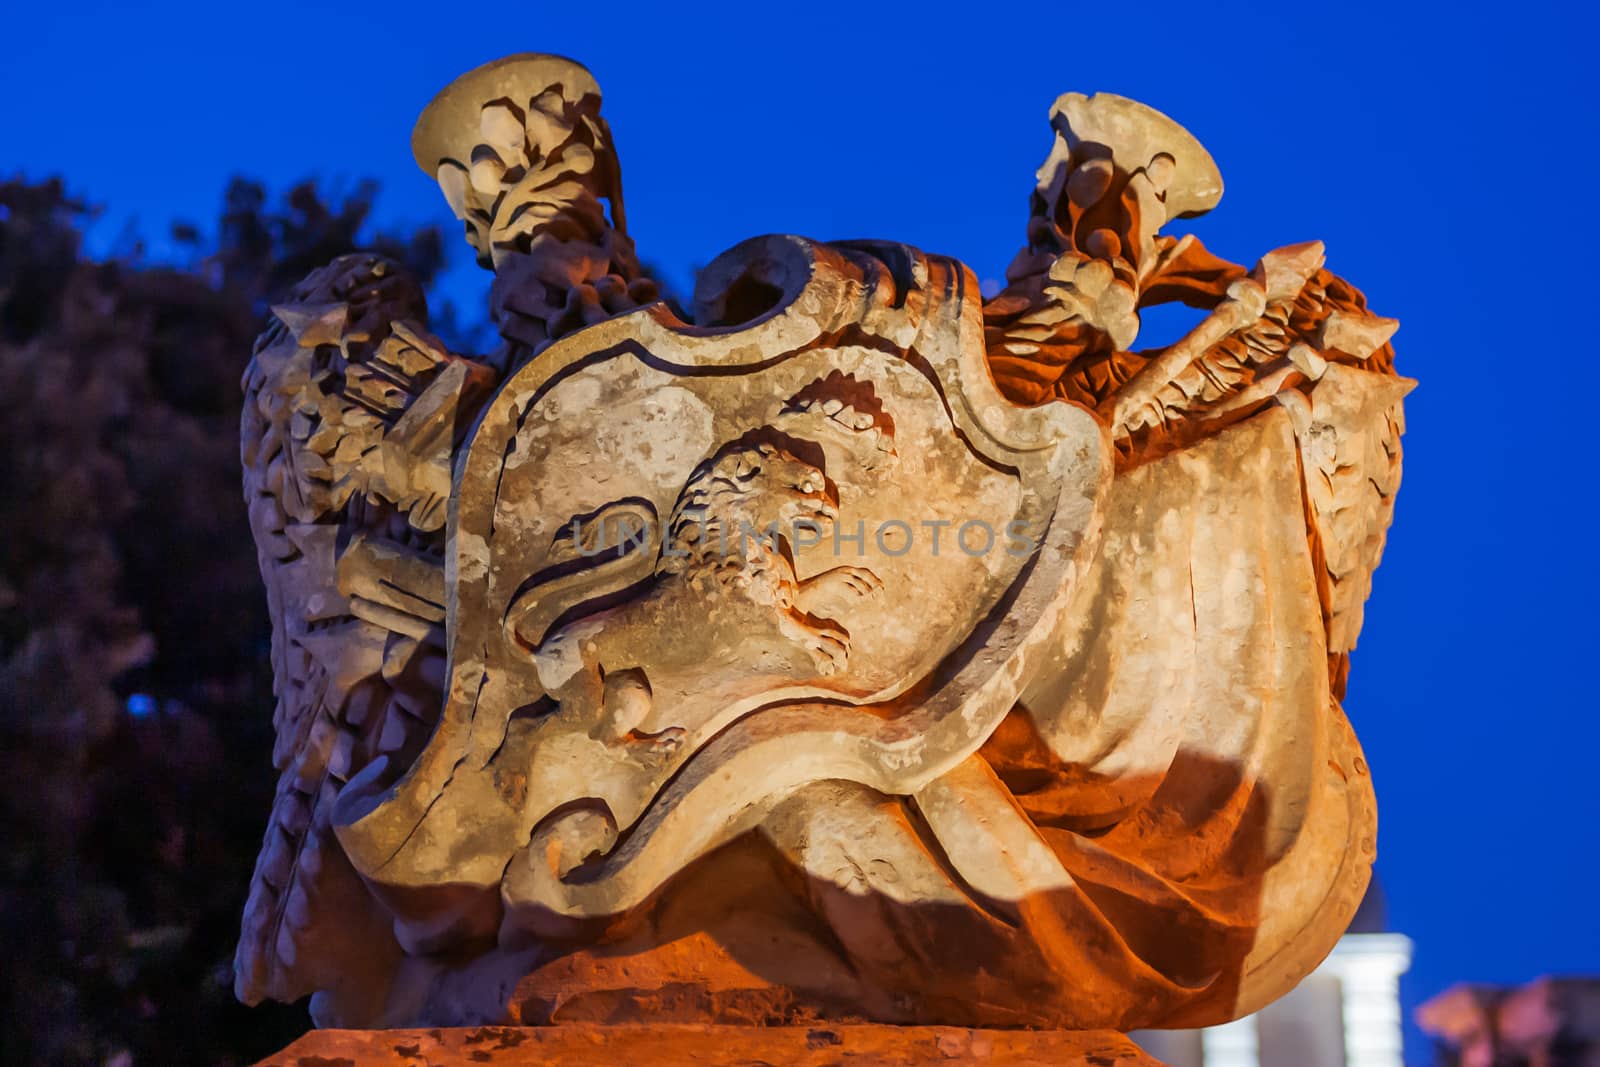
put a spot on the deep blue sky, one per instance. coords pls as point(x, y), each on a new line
point(1440, 154)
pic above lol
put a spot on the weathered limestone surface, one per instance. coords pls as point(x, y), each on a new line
point(842, 647)
point(702, 1045)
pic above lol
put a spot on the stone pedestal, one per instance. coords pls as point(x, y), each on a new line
point(706, 1045)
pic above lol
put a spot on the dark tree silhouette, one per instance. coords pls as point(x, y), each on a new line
point(135, 696)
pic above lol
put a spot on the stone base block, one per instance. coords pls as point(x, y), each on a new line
point(708, 1045)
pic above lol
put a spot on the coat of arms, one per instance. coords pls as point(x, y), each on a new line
point(980, 666)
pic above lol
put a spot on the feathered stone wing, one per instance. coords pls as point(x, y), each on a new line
point(351, 420)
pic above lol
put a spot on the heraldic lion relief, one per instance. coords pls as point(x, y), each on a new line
point(844, 645)
point(748, 487)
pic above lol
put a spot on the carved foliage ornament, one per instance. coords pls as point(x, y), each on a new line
point(853, 647)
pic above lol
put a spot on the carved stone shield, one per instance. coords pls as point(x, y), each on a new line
point(694, 569)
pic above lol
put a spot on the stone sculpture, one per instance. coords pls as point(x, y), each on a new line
point(851, 647)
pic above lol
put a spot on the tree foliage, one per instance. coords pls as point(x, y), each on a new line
point(135, 695)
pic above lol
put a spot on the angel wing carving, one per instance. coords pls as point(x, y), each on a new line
point(352, 416)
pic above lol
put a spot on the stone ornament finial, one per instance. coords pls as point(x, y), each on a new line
point(525, 161)
point(450, 127)
point(1179, 174)
point(855, 649)
point(514, 142)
